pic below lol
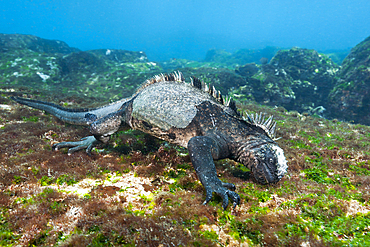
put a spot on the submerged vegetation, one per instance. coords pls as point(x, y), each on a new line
point(141, 191)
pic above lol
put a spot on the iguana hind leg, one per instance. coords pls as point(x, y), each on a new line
point(101, 129)
point(203, 150)
point(85, 143)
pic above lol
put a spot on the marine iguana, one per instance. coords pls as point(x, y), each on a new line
point(193, 115)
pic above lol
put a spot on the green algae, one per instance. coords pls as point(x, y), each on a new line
point(322, 200)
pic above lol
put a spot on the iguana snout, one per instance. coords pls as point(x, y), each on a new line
point(269, 164)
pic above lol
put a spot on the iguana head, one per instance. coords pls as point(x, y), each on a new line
point(268, 163)
point(261, 154)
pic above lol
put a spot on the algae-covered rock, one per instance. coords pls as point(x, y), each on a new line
point(223, 79)
point(26, 68)
point(350, 98)
point(9, 42)
point(217, 55)
point(52, 67)
point(247, 70)
point(298, 79)
point(312, 73)
point(241, 57)
point(121, 56)
point(77, 62)
point(337, 55)
point(272, 86)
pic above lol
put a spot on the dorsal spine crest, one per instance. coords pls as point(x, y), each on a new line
point(175, 76)
point(268, 125)
point(258, 119)
point(211, 90)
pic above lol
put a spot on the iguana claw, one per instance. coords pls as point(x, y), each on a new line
point(225, 191)
point(87, 142)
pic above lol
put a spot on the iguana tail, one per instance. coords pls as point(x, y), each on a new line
point(73, 116)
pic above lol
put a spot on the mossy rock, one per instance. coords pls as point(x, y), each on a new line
point(223, 79)
point(81, 61)
point(10, 42)
point(242, 56)
point(247, 70)
point(121, 56)
point(350, 98)
point(217, 55)
point(313, 72)
point(272, 87)
point(297, 79)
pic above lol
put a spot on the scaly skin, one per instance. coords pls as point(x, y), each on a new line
point(194, 116)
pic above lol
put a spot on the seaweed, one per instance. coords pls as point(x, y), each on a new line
point(140, 191)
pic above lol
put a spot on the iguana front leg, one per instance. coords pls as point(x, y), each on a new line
point(101, 129)
point(203, 150)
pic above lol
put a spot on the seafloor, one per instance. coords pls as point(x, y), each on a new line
point(139, 191)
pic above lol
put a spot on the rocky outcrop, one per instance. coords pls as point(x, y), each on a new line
point(10, 42)
point(241, 57)
point(350, 97)
point(312, 74)
point(247, 70)
point(221, 78)
point(121, 56)
point(298, 79)
point(28, 61)
point(81, 61)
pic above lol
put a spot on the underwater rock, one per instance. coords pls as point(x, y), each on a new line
point(247, 70)
point(121, 56)
point(350, 98)
point(337, 55)
point(222, 78)
point(312, 73)
point(272, 86)
point(240, 57)
point(52, 67)
point(81, 61)
point(10, 42)
point(297, 79)
point(217, 55)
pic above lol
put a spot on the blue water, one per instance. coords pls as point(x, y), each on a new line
point(187, 29)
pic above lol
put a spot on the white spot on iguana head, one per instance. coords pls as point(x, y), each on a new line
point(282, 163)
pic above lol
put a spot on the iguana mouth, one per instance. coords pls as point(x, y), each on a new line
point(268, 175)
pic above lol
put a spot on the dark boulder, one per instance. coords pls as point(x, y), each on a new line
point(298, 79)
point(312, 73)
point(82, 61)
point(247, 70)
point(350, 98)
